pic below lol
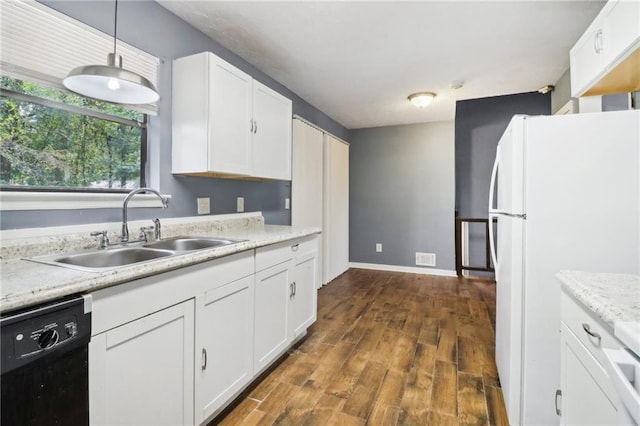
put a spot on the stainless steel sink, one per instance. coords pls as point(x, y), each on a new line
point(116, 257)
point(190, 243)
point(104, 259)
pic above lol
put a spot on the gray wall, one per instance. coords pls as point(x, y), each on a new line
point(479, 124)
point(401, 188)
point(150, 27)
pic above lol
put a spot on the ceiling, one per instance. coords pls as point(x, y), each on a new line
point(358, 61)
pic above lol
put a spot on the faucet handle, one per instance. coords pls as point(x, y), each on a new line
point(143, 232)
point(157, 229)
point(104, 238)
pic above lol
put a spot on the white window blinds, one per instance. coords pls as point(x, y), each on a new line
point(42, 45)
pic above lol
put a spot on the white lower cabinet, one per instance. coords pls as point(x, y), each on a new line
point(176, 348)
point(303, 301)
point(588, 397)
point(224, 345)
point(286, 296)
point(271, 331)
point(584, 401)
point(151, 357)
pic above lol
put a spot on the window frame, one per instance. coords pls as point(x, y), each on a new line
point(144, 142)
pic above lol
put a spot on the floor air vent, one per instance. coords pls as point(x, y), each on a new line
point(425, 259)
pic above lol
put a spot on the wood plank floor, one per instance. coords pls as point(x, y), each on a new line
point(387, 349)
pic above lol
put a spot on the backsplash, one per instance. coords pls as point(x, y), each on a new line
point(65, 239)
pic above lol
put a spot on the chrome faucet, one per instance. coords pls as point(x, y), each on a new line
point(124, 237)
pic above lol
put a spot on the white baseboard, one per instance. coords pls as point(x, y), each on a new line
point(410, 269)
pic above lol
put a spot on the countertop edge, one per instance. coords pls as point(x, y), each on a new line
point(84, 282)
point(611, 297)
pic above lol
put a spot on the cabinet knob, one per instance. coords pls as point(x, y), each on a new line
point(295, 247)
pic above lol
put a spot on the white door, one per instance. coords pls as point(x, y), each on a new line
point(273, 286)
point(271, 133)
point(141, 373)
point(307, 180)
point(336, 208)
point(230, 98)
point(224, 344)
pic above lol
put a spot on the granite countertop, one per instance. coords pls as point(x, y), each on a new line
point(612, 297)
point(25, 283)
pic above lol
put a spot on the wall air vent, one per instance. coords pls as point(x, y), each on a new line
point(425, 259)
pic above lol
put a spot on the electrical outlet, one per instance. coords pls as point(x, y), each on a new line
point(287, 203)
point(378, 247)
point(204, 205)
point(240, 204)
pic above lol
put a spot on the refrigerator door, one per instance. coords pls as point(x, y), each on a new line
point(509, 289)
point(508, 171)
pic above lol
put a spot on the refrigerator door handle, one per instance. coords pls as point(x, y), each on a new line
point(494, 174)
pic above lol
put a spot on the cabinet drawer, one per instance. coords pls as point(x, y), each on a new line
point(117, 305)
point(278, 253)
point(577, 318)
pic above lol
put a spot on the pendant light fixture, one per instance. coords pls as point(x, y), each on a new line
point(422, 99)
point(111, 82)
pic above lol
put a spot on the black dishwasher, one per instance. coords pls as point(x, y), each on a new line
point(45, 359)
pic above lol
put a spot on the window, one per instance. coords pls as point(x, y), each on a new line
point(55, 139)
point(50, 138)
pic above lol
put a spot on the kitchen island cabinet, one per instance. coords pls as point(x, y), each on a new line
point(588, 396)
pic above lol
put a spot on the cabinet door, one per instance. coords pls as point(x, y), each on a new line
point(271, 301)
point(224, 344)
point(303, 300)
point(583, 381)
point(229, 118)
point(587, 58)
point(142, 372)
point(272, 133)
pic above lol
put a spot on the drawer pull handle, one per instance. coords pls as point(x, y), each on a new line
point(587, 329)
point(204, 359)
point(558, 394)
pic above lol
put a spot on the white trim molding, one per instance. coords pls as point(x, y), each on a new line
point(17, 200)
point(409, 269)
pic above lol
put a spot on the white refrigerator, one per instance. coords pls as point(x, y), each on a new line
point(565, 191)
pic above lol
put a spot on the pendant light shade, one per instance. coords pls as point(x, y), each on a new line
point(111, 82)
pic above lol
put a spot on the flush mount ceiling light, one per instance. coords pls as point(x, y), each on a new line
point(422, 99)
point(111, 82)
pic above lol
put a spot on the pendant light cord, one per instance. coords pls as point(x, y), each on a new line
point(115, 30)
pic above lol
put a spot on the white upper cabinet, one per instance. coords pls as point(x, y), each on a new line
point(271, 133)
point(224, 123)
point(606, 59)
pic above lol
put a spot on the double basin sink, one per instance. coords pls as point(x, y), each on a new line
point(119, 256)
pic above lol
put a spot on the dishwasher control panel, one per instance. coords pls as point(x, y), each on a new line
point(30, 334)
